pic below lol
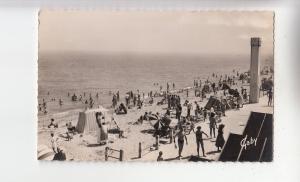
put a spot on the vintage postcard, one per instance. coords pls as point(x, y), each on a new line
point(161, 86)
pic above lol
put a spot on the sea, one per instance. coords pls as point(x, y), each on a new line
point(89, 74)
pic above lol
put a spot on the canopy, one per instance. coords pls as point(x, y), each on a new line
point(87, 120)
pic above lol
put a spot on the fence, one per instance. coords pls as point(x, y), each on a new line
point(121, 154)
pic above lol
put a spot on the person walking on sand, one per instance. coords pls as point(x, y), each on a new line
point(199, 140)
point(220, 138)
point(181, 136)
point(212, 125)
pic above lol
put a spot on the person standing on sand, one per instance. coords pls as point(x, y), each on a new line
point(54, 143)
point(118, 96)
point(204, 114)
point(223, 108)
point(114, 101)
point(197, 110)
point(189, 108)
point(203, 95)
point(199, 140)
point(168, 87)
point(220, 138)
point(212, 125)
point(178, 111)
point(181, 136)
point(60, 102)
point(270, 97)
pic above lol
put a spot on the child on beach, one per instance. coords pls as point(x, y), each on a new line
point(160, 158)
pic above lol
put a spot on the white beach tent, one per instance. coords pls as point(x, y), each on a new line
point(87, 120)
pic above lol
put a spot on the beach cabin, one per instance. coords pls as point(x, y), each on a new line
point(87, 120)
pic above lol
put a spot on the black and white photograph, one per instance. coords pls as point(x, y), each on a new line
point(155, 86)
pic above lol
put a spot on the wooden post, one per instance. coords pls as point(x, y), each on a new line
point(157, 142)
point(171, 135)
point(106, 153)
point(121, 155)
point(140, 150)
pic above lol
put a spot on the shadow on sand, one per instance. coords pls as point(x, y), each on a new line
point(190, 159)
point(134, 158)
point(149, 131)
point(212, 152)
point(197, 159)
point(171, 159)
point(114, 131)
point(96, 145)
point(164, 142)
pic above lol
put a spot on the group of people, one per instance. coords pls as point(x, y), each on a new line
point(89, 102)
point(181, 136)
point(59, 151)
point(82, 98)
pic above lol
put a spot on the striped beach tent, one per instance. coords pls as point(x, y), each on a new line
point(87, 120)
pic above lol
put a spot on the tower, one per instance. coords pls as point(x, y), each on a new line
point(254, 70)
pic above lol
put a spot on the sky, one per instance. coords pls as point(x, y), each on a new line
point(154, 32)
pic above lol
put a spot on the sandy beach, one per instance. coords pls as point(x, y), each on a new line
point(85, 146)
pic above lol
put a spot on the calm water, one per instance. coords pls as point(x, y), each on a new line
point(60, 74)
